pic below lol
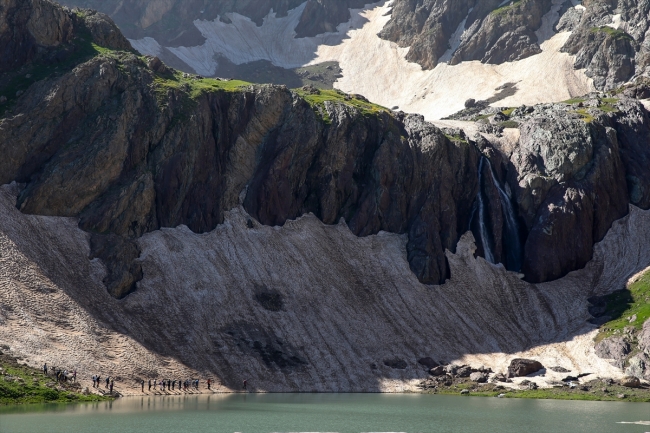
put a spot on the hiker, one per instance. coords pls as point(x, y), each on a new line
point(142, 384)
point(99, 378)
point(149, 384)
point(155, 383)
point(169, 384)
point(107, 380)
point(208, 384)
point(173, 384)
point(45, 369)
point(74, 376)
point(164, 382)
point(111, 388)
point(245, 382)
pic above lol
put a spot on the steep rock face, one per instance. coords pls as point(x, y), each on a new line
point(108, 143)
point(506, 34)
point(490, 33)
point(610, 41)
point(37, 30)
point(571, 187)
point(129, 147)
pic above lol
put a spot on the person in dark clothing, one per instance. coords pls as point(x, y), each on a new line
point(169, 384)
point(99, 381)
point(173, 384)
point(107, 380)
point(245, 383)
point(164, 382)
point(111, 387)
point(142, 384)
point(45, 369)
point(208, 384)
point(149, 384)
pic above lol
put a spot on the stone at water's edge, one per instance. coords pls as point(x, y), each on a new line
point(631, 382)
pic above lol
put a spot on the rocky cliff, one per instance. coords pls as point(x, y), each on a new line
point(140, 156)
point(129, 146)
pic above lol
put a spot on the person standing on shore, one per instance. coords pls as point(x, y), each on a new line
point(245, 384)
point(107, 380)
point(149, 384)
point(142, 384)
point(74, 376)
point(208, 384)
point(111, 387)
point(45, 369)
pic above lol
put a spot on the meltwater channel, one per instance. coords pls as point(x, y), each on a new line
point(328, 413)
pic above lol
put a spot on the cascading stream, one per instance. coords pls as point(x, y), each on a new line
point(485, 237)
point(511, 238)
point(512, 241)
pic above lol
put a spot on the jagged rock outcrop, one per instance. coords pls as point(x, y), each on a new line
point(610, 41)
point(491, 32)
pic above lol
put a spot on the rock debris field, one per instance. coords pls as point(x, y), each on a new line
point(303, 307)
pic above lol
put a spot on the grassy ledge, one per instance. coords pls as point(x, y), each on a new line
point(629, 307)
point(613, 33)
point(318, 98)
point(20, 384)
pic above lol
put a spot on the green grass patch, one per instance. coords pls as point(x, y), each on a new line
point(318, 99)
point(613, 33)
point(507, 8)
point(625, 305)
point(22, 385)
point(456, 138)
point(78, 51)
point(586, 116)
point(508, 111)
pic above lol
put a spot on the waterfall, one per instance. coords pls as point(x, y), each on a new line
point(485, 237)
point(512, 241)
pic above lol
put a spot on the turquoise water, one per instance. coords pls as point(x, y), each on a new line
point(327, 413)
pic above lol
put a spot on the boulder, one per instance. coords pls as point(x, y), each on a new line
point(437, 371)
point(464, 371)
point(470, 103)
point(478, 377)
point(615, 349)
point(559, 369)
point(630, 382)
point(637, 366)
point(428, 362)
point(520, 367)
point(464, 391)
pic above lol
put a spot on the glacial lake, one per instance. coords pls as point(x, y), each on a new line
point(328, 413)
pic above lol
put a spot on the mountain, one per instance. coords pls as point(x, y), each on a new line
point(302, 238)
point(399, 53)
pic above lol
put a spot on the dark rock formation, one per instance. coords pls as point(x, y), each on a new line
point(428, 362)
point(493, 34)
point(395, 363)
point(611, 55)
point(520, 367)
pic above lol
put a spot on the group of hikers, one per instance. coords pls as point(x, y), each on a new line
point(59, 374)
point(97, 380)
point(171, 385)
point(162, 385)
